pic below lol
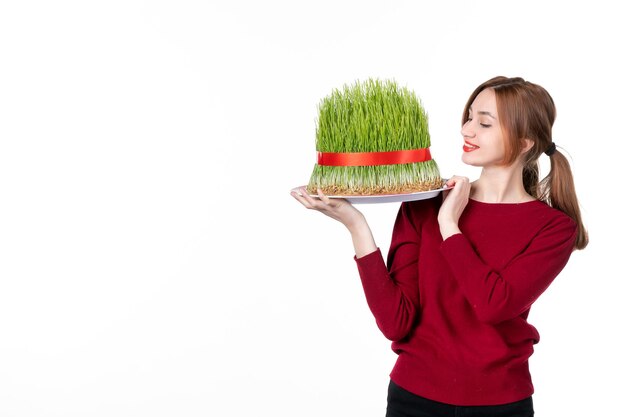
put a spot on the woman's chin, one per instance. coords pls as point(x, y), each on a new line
point(467, 159)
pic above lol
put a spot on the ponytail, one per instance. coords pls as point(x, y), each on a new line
point(557, 190)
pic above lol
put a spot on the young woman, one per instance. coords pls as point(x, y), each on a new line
point(464, 268)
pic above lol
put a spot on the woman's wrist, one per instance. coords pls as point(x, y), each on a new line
point(362, 237)
point(356, 222)
point(448, 229)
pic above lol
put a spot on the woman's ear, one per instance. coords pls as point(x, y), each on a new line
point(527, 145)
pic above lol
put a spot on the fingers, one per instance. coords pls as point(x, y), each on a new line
point(457, 186)
point(302, 196)
point(323, 196)
point(320, 202)
point(456, 179)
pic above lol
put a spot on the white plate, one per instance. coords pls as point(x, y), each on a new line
point(385, 198)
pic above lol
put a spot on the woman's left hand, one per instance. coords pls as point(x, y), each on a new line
point(454, 202)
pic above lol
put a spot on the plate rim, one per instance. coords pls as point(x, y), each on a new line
point(383, 198)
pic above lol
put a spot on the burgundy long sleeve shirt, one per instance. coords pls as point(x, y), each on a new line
point(456, 310)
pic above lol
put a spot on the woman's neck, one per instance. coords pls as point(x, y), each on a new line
point(500, 185)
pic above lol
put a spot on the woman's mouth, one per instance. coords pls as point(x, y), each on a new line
point(469, 147)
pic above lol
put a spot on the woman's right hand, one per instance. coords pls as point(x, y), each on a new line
point(335, 208)
point(345, 213)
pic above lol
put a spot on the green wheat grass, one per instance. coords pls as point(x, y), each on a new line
point(372, 116)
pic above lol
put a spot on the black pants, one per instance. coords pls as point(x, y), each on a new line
point(402, 403)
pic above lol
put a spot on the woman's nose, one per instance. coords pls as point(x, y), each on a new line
point(466, 132)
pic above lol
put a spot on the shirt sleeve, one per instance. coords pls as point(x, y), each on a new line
point(498, 296)
point(392, 291)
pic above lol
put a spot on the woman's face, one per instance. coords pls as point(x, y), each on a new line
point(483, 144)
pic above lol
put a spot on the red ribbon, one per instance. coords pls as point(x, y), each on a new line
point(373, 158)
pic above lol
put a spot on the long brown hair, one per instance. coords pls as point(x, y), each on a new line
point(527, 111)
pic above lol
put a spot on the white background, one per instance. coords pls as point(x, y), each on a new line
point(152, 261)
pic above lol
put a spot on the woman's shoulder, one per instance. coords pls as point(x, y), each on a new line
point(533, 215)
point(423, 206)
point(556, 218)
point(420, 211)
point(542, 210)
point(413, 215)
point(551, 224)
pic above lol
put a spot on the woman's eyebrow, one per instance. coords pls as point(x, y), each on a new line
point(486, 113)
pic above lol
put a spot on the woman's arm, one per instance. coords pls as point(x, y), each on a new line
point(500, 295)
point(392, 294)
point(392, 291)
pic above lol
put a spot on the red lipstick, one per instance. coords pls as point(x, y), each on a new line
point(469, 147)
